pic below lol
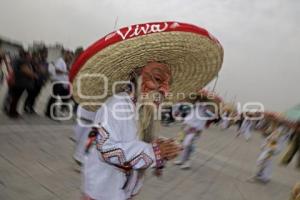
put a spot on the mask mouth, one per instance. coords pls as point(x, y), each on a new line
point(156, 102)
point(155, 76)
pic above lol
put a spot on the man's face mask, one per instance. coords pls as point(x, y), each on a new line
point(156, 77)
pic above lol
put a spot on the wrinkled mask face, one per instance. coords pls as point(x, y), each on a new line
point(156, 78)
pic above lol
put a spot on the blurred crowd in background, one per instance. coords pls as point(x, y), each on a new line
point(28, 73)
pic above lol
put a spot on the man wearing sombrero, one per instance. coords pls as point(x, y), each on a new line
point(132, 71)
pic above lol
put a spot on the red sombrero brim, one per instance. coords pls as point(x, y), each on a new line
point(114, 37)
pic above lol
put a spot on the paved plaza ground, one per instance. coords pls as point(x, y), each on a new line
point(36, 164)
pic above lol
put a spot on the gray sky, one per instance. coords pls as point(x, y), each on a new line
point(261, 39)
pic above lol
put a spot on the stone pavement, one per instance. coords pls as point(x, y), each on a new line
point(36, 164)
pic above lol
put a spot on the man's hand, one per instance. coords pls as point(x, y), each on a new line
point(169, 148)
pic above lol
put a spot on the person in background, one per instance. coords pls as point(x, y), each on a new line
point(40, 67)
point(225, 120)
point(246, 128)
point(285, 132)
point(60, 86)
point(77, 53)
point(10, 79)
point(264, 162)
point(2, 58)
point(194, 124)
point(240, 121)
point(24, 78)
point(293, 148)
point(5, 66)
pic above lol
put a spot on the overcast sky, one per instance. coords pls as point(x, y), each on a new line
point(261, 38)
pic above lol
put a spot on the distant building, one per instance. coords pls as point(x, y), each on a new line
point(10, 47)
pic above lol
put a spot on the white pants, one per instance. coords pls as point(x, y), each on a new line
point(246, 129)
point(225, 124)
point(264, 170)
point(188, 146)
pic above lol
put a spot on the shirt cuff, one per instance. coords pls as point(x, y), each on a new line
point(158, 158)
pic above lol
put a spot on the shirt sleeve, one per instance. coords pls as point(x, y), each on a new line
point(133, 154)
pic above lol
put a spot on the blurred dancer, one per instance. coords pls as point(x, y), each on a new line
point(225, 121)
point(60, 83)
point(293, 149)
point(40, 67)
point(193, 124)
point(24, 80)
point(264, 161)
point(246, 128)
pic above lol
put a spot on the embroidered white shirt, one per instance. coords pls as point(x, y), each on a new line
point(118, 147)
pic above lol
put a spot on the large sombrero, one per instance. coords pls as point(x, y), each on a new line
point(192, 53)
